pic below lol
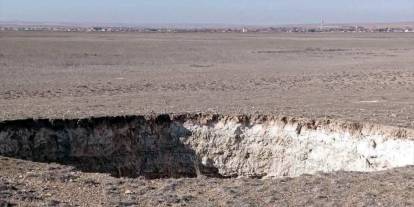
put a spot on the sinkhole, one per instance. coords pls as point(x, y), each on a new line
point(211, 145)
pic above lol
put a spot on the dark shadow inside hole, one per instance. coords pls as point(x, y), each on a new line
point(129, 146)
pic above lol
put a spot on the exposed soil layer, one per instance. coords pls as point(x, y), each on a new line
point(68, 77)
point(211, 145)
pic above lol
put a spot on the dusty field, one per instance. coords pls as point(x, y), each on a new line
point(38, 184)
point(357, 77)
point(361, 77)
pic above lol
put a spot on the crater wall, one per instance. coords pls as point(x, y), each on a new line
point(190, 145)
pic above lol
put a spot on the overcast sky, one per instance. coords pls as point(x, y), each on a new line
point(249, 12)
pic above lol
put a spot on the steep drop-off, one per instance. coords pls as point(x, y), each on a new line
point(211, 145)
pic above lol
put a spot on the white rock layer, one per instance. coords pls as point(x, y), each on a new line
point(275, 149)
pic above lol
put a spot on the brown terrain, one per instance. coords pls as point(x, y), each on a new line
point(355, 77)
point(361, 77)
point(38, 184)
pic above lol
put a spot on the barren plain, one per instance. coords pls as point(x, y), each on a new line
point(245, 114)
point(360, 77)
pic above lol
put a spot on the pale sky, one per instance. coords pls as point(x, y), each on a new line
point(248, 12)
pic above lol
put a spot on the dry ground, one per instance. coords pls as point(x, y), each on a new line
point(37, 184)
point(362, 77)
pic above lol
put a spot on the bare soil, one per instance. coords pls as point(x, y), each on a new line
point(355, 76)
point(38, 184)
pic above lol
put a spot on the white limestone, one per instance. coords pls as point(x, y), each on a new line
point(274, 149)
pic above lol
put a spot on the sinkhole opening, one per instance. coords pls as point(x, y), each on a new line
point(211, 145)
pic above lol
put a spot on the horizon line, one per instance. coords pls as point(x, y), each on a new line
point(120, 24)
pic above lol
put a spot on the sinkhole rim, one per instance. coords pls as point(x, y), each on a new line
point(60, 150)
